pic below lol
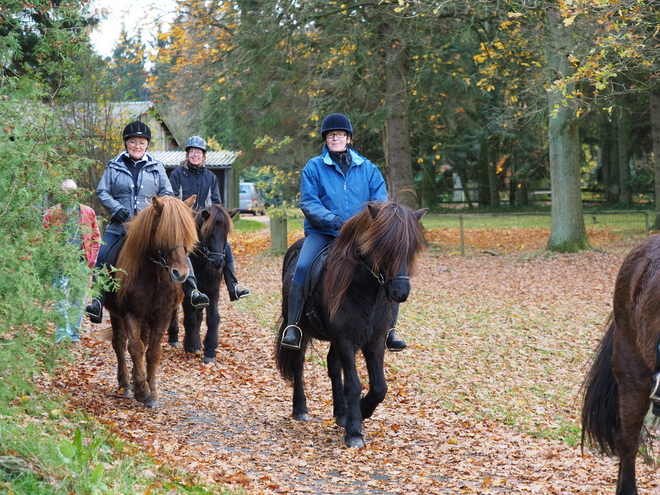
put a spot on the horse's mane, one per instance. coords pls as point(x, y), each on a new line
point(387, 242)
point(165, 223)
point(217, 214)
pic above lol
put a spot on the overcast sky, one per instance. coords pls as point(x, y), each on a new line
point(140, 16)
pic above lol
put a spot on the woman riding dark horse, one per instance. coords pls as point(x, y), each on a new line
point(128, 183)
point(334, 186)
point(193, 178)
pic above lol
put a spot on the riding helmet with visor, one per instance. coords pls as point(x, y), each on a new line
point(137, 129)
point(196, 142)
point(336, 122)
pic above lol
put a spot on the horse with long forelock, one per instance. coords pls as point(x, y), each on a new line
point(366, 274)
point(208, 260)
point(151, 268)
point(618, 388)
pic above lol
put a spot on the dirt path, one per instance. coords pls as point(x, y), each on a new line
point(231, 422)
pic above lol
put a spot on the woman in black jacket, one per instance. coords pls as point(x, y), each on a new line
point(192, 177)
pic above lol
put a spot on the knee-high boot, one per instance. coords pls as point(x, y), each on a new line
point(198, 299)
point(292, 335)
point(235, 288)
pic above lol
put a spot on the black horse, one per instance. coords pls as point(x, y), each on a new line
point(213, 225)
point(625, 373)
point(366, 274)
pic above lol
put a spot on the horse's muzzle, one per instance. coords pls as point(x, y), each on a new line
point(177, 276)
point(398, 289)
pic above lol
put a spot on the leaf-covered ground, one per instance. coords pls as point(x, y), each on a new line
point(499, 341)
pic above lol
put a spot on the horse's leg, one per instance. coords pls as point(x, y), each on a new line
point(191, 318)
point(173, 330)
point(153, 356)
point(335, 374)
point(377, 383)
point(136, 349)
point(352, 392)
point(119, 346)
point(212, 323)
point(634, 379)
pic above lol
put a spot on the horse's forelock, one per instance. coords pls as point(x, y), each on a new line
point(217, 214)
point(180, 228)
point(393, 240)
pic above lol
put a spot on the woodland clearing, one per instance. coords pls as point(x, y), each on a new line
point(486, 399)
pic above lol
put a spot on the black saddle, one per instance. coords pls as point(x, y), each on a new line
point(311, 283)
point(316, 270)
point(113, 252)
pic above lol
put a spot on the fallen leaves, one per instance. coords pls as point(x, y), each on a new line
point(498, 347)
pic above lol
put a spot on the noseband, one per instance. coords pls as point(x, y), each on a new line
point(208, 254)
point(161, 259)
point(382, 279)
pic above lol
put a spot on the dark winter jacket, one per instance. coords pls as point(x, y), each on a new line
point(187, 180)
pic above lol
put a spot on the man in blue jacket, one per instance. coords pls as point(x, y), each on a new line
point(334, 186)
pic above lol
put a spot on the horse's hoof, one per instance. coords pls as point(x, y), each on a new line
point(174, 344)
point(126, 392)
point(150, 403)
point(340, 421)
point(208, 359)
point(301, 417)
point(355, 442)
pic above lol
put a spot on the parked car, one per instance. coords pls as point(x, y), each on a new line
point(250, 199)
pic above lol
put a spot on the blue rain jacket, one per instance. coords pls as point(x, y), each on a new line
point(326, 193)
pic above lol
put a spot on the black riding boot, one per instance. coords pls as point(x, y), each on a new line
point(395, 343)
point(292, 335)
point(95, 309)
point(235, 288)
point(198, 299)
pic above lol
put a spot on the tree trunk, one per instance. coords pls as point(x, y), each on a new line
point(624, 125)
point(568, 232)
point(483, 174)
point(493, 186)
point(655, 131)
point(396, 134)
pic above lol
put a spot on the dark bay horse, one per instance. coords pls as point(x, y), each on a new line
point(366, 274)
point(208, 259)
point(618, 387)
point(151, 268)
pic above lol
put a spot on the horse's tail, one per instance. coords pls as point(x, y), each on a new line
point(600, 408)
point(289, 360)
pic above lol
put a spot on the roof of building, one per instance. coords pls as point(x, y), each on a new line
point(214, 159)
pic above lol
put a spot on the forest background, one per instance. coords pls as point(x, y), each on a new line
point(513, 96)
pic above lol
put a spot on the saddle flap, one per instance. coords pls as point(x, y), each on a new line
point(316, 270)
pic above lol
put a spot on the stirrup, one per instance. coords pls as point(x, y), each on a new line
point(202, 299)
point(295, 341)
point(238, 292)
point(393, 344)
point(656, 385)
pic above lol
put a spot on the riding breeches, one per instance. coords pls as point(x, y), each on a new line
point(313, 245)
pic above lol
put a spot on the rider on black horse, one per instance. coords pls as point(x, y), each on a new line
point(334, 186)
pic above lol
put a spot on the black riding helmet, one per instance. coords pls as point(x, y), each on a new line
point(336, 122)
point(137, 129)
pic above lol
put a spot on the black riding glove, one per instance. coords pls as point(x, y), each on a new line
point(121, 216)
point(337, 223)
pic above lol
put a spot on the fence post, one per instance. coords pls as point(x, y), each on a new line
point(278, 234)
point(646, 222)
point(460, 219)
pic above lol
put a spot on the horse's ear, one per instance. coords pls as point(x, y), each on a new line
point(157, 203)
point(374, 210)
point(233, 212)
point(420, 213)
point(206, 214)
point(190, 201)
